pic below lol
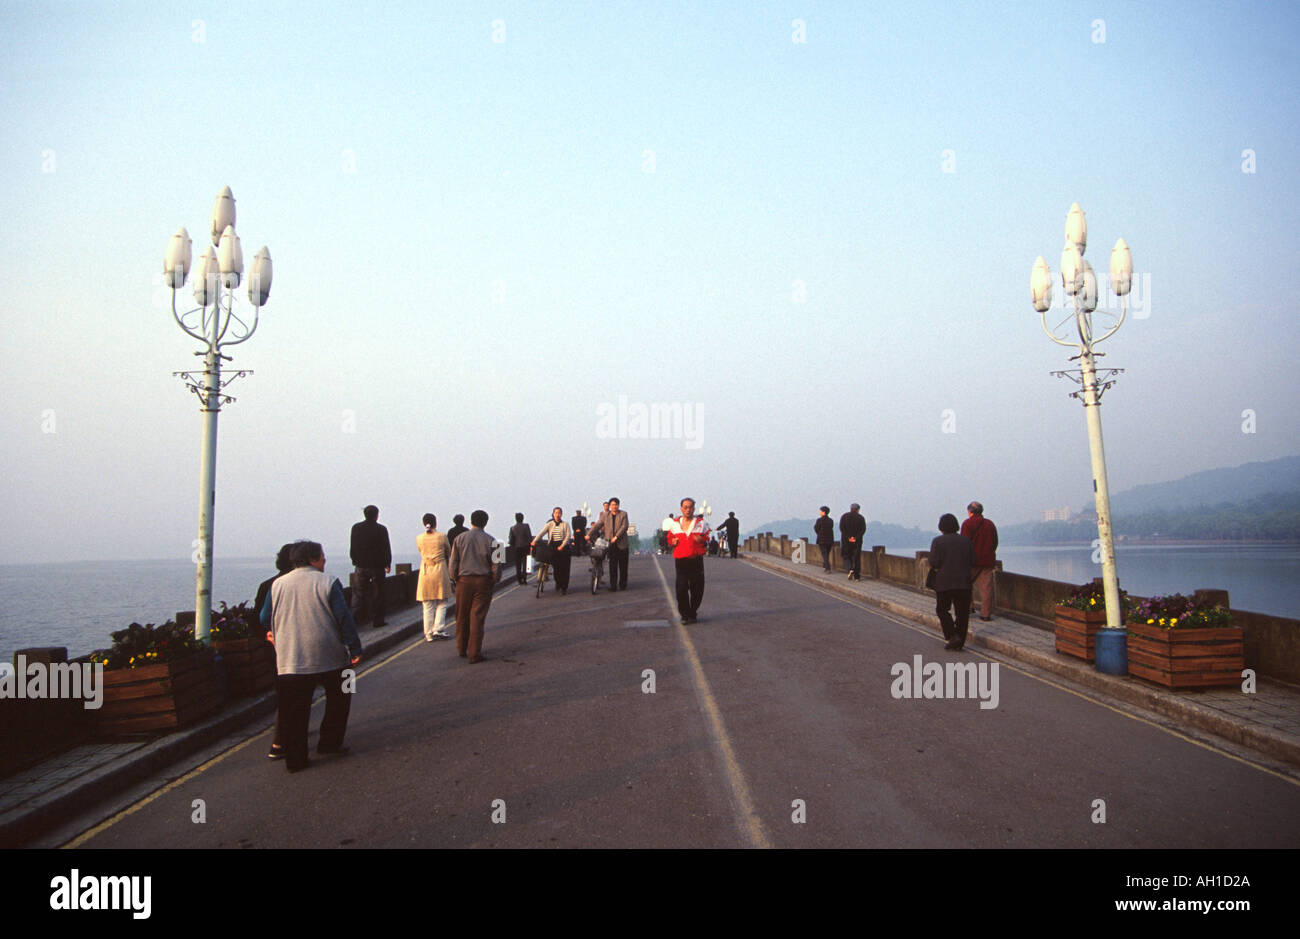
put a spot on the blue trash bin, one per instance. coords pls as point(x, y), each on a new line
point(1112, 651)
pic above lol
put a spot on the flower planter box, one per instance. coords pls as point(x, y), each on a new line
point(250, 664)
point(1076, 632)
point(158, 697)
point(1186, 658)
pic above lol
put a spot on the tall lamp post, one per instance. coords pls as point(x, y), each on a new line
point(1075, 330)
point(214, 323)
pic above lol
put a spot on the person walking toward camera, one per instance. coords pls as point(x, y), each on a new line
point(556, 534)
point(689, 536)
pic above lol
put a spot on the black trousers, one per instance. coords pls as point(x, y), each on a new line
point(521, 565)
point(825, 549)
point(690, 585)
point(294, 693)
point(368, 597)
point(733, 545)
point(617, 567)
point(852, 557)
point(943, 599)
point(560, 566)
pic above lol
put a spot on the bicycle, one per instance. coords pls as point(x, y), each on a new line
point(544, 554)
point(597, 561)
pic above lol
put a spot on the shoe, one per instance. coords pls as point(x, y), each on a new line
point(987, 619)
point(476, 659)
point(428, 639)
point(277, 752)
point(952, 644)
point(340, 751)
point(564, 591)
point(297, 767)
point(437, 636)
point(463, 654)
point(688, 619)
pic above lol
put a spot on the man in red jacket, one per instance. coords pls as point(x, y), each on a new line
point(689, 537)
point(984, 535)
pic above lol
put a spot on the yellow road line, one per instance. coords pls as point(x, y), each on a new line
point(863, 605)
point(204, 767)
point(750, 822)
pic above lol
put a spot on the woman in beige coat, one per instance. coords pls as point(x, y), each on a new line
point(433, 591)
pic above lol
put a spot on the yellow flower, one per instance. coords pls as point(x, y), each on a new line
point(1093, 601)
point(1174, 620)
point(1150, 621)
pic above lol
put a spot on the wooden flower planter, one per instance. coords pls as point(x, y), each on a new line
point(250, 664)
point(1186, 658)
point(1076, 632)
point(158, 697)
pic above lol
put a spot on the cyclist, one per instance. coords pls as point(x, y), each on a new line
point(556, 534)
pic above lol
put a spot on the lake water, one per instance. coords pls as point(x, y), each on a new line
point(1262, 578)
point(79, 604)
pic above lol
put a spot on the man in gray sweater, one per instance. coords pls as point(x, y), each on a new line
point(315, 640)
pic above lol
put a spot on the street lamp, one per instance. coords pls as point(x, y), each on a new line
point(1080, 282)
point(214, 323)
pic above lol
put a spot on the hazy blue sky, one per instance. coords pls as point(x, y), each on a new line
point(480, 244)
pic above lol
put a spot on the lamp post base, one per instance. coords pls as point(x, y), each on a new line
point(1112, 651)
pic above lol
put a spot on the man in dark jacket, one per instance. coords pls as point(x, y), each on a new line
point(579, 533)
point(455, 530)
point(951, 559)
point(984, 536)
point(521, 536)
point(824, 530)
point(853, 526)
point(372, 556)
point(732, 527)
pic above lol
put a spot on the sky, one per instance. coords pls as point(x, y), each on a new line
point(807, 227)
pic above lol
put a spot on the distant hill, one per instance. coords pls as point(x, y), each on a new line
point(877, 532)
point(1210, 488)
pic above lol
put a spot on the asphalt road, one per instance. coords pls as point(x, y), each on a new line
point(771, 723)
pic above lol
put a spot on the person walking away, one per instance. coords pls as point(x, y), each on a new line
point(433, 590)
point(372, 556)
point(283, 565)
point(824, 533)
point(456, 530)
point(520, 534)
point(853, 526)
point(556, 533)
point(952, 557)
point(984, 536)
point(732, 527)
point(474, 574)
point(315, 639)
point(689, 536)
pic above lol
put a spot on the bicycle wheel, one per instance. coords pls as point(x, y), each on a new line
point(595, 579)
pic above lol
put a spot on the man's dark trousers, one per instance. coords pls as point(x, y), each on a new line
point(852, 558)
point(825, 549)
point(368, 596)
point(617, 568)
point(294, 693)
point(521, 564)
point(690, 585)
point(961, 599)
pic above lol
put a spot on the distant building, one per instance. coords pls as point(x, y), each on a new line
point(1057, 515)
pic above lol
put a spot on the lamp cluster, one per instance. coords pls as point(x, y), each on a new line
point(1077, 276)
point(222, 262)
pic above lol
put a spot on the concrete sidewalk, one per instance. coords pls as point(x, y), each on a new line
point(1267, 721)
point(44, 796)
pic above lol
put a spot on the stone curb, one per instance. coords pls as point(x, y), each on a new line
point(1275, 743)
point(21, 824)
